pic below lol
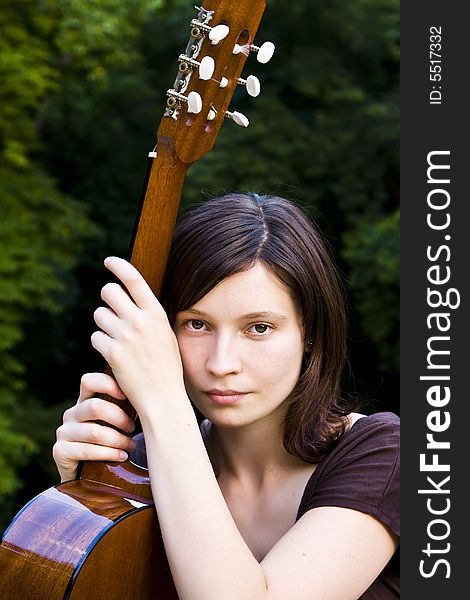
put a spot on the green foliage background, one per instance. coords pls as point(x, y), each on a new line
point(82, 92)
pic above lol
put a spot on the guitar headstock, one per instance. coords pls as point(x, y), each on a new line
point(209, 70)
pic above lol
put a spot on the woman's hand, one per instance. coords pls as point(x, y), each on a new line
point(136, 339)
point(81, 438)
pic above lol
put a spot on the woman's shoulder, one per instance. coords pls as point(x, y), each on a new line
point(378, 418)
point(375, 434)
point(362, 470)
point(372, 426)
point(373, 439)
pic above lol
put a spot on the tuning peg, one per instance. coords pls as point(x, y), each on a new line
point(194, 103)
point(211, 115)
point(193, 99)
point(245, 49)
point(239, 118)
point(218, 33)
point(206, 66)
point(253, 86)
point(264, 52)
point(215, 34)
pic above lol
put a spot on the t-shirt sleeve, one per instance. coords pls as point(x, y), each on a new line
point(362, 471)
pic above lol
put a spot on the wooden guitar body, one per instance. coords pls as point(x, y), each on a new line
point(84, 539)
point(98, 537)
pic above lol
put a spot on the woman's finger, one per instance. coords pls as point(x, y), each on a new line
point(94, 433)
point(133, 281)
point(107, 321)
point(92, 384)
point(99, 409)
point(103, 344)
point(67, 455)
point(117, 298)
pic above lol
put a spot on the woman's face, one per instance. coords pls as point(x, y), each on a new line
point(242, 348)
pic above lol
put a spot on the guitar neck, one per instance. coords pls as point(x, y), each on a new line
point(158, 212)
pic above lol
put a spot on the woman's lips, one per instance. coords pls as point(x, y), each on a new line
point(225, 396)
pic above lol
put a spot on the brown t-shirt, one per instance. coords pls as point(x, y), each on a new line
point(362, 472)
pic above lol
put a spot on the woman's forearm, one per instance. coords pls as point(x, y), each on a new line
point(207, 554)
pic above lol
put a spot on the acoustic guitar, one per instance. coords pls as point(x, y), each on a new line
point(98, 537)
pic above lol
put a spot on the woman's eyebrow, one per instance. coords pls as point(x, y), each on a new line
point(266, 314)
point(194, 311)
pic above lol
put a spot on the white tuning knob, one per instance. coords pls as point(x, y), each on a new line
point(193, 99)
point(206, 67)
point(218, 33)
point(215, 34)
point(253, 86)
point(239, 118)
point(264, 53)
point(237, 49)
point(211, 115)
point(223, 82)
point(194, 103)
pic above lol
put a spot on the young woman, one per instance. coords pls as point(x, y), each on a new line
point(278, 493)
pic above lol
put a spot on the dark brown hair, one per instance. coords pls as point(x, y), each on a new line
point(230, 234)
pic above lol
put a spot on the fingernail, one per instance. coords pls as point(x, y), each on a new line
point(122, 455)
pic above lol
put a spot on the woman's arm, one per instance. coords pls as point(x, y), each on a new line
point(330, 553)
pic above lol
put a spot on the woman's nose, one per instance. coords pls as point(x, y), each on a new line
point(224, 357)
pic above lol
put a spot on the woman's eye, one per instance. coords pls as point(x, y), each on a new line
point(195, 324)
point(260, 328)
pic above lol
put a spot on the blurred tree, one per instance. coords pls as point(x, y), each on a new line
point(40, 232)
point(85, 90)
point(372, 250)
point(39, 229)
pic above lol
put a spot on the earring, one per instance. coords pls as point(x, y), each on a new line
point(308, 345)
